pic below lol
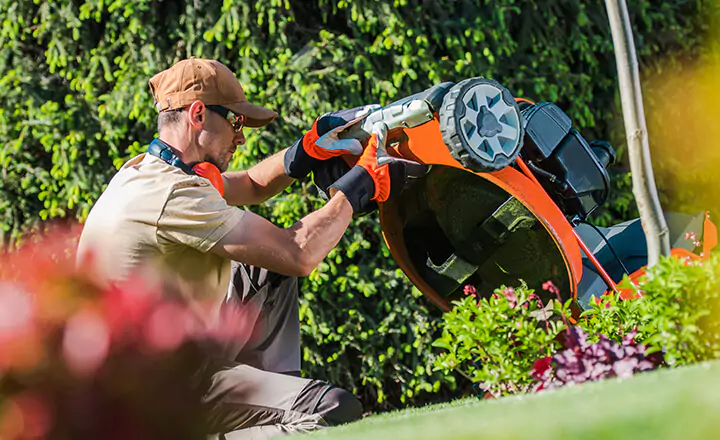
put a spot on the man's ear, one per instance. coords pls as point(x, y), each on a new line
point(197, 112)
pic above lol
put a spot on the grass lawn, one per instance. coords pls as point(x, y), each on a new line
point(677, 404)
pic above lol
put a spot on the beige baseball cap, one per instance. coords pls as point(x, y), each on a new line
point(210, 82)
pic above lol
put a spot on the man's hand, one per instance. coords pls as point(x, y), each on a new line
point(323, 141)
point(377, 175)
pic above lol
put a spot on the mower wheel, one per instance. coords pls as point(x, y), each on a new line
point(481, 125)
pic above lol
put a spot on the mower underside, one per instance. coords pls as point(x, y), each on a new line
point(462, 229)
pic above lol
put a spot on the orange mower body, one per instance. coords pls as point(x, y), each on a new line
point(509, 187)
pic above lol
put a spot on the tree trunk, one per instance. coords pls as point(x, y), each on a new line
point(644, 190)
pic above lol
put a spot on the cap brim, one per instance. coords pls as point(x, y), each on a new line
point(255, 116)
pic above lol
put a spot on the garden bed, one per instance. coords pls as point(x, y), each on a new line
point(666, 404)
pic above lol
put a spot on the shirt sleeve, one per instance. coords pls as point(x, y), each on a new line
point(197, 216)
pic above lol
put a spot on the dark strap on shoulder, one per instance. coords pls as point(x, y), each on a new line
point(163, 151)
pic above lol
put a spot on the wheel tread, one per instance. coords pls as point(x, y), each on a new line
point(451, 135)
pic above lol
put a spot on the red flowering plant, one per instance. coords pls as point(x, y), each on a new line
point(674, 320)
point(495, 341)
point(79, 359)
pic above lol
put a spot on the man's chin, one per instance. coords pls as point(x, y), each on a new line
point(225, 166)
point(222, 166)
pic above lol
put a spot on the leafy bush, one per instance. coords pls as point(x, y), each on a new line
point(675, 321)
point(677, 315)
point(511, 343)
point(495, 341)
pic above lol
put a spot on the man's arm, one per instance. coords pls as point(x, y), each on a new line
point(293, 251)
point(276, 173)
point(298, 249)
point(257, 184)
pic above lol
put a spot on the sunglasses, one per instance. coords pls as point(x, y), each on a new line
point(237, 121)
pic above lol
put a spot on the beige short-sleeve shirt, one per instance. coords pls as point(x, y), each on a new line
point(153, 217)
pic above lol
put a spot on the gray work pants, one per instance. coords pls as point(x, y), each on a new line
point(261, 395)
point(243, 402)
point(269, 305)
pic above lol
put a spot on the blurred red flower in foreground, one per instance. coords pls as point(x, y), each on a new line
point(79, 359)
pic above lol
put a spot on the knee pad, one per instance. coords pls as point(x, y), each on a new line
point(335, 405)
point(338, 406)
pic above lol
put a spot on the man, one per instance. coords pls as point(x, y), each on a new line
point(172, 211)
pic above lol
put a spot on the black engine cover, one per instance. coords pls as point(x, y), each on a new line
point(570, 170)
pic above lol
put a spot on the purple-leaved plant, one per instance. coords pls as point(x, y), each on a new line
point(584, 361)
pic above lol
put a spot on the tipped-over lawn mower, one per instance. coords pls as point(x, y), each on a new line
point(510, 186)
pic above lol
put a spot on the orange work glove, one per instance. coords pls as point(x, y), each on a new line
point(377, 175)
point(323, 142)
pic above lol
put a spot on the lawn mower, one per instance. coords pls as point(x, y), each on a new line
point(507, 196)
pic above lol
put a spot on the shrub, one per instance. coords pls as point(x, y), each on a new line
point(674, 321)
point(495, 341)
point(677, 315)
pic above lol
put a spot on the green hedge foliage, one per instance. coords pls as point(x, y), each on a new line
point(73, 78)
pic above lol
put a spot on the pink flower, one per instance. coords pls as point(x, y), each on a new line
point(126, 306)
point(20, 332)
point(548, 286)
point(167, 327)
point(86, 342)
point(16, 311)
point(510, 295)
point(601, 302)
point(469, 290)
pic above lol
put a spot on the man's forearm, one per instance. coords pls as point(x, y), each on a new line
point(320, 231)
point(294, 251)
point(259, 183)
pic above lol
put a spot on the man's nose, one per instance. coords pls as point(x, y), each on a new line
point(239, 138)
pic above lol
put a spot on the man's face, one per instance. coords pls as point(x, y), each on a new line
point(218, 140)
